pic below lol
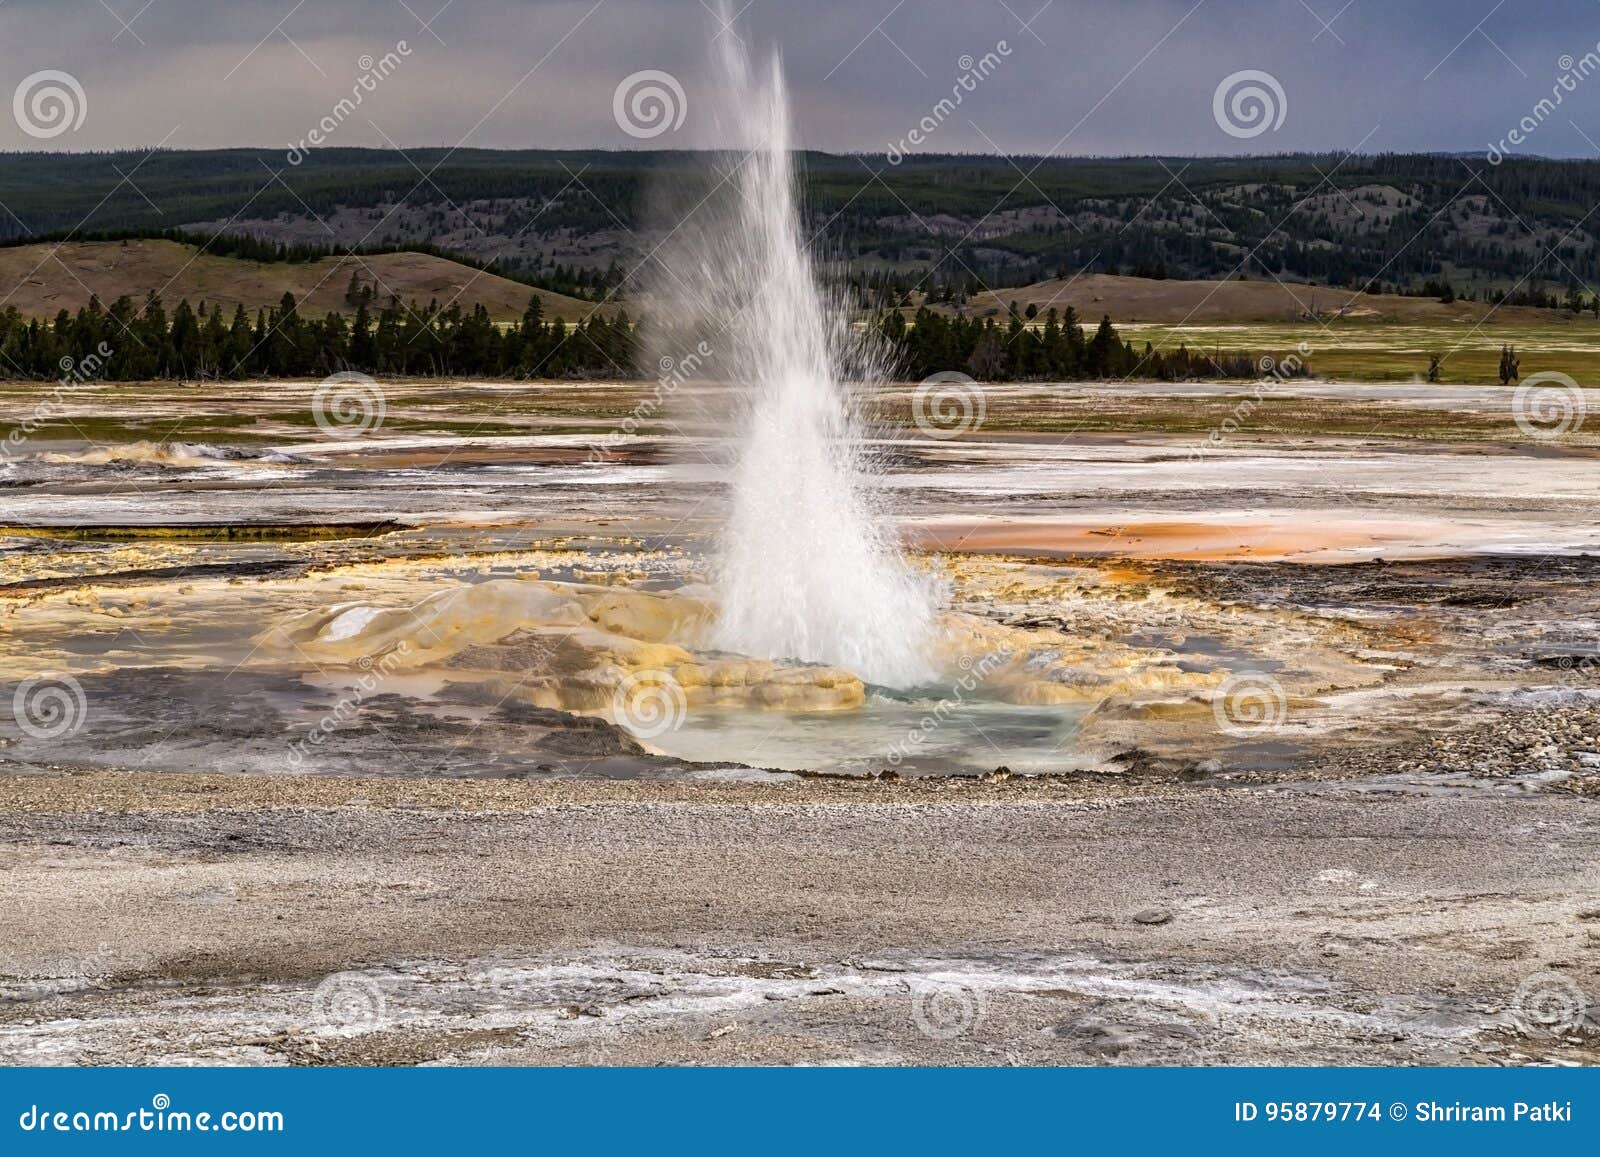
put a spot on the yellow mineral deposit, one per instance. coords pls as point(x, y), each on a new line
point(570, 646)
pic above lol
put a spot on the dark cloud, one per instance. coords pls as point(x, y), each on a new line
point(1071, 76)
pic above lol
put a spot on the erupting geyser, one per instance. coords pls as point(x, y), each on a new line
point(806, 568)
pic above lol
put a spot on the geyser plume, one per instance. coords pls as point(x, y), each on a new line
point(806, 569)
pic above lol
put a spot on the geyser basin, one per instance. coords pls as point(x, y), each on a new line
point(806, 567)
point(620, 653)
point(911, 733)
point(647, 661)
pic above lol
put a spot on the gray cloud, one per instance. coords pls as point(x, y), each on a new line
point(1085, 76)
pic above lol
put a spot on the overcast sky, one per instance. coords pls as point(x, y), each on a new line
point(1074, 76)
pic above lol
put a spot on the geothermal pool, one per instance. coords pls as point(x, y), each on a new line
point(472, 589)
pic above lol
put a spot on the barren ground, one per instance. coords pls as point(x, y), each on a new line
point(636, 923)
point(1382, 851)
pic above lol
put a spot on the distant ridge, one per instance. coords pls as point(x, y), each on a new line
point(41, 279)
point(572, 220)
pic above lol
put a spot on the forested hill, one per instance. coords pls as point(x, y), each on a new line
point(578, 221)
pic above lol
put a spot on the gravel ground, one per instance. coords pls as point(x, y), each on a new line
point(272, 920)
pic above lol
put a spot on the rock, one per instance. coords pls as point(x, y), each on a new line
point(1203, 769)
point(1110, 1038)
point(1153, 916)
point(776, 970)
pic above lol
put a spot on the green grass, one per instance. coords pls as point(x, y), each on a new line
point(1387, 352)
